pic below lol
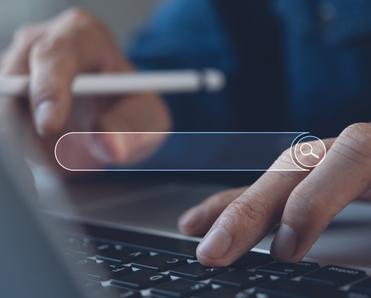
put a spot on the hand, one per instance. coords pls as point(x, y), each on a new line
point(303, 202)
point(53, 53)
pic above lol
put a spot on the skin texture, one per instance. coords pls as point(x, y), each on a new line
point(303, 203)
point(53, 53)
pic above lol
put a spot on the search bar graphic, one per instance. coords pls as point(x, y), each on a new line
point(188, 151)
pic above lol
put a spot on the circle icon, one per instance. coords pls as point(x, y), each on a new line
point(302, 148)
point(307, 152)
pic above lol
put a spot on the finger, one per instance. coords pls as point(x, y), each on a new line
point(53, 67)
point(341, 178)
point(65, 50)
point(248, 218)
point(198, 220)
point(15, 59)
point(145, 114)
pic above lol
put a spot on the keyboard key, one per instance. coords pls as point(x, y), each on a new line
point(159, 262)
point(100, 246)
point(90, 268)
point(111, 292)
point(239, 279)
point(252, 259)
point(79, 245)
point(363, 287)
point(335, 275)
point(295, 289)
point(220, 293)
point(287, 270)
point(180, 288)
point(139, 279)
point(99, 270)
point(195, 271)
point(90, 286)
point(121, 254)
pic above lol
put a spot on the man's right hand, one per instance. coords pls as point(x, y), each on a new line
point(53, 53)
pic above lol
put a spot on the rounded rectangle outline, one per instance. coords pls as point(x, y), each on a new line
point(299, 169)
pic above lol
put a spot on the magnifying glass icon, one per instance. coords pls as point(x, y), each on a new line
point(307, 152)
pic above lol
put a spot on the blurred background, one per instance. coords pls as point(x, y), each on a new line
point(122, 16)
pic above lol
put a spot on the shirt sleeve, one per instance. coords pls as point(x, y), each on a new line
point(187, 34)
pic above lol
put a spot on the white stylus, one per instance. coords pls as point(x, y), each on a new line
point(184, 81)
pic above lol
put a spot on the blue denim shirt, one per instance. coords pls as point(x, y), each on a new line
point(326, 57)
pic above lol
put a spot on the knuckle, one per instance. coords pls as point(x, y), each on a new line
point(358, 128)
point(354, 143)
point(78, 16)
point(248, 210)
point(24, 35)
point(50, 45)
point(360, 132)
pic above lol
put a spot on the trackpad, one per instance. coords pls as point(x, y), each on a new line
point(157, 207)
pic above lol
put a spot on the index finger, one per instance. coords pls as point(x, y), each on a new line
point(248, 218)
point(75, 43)
point(343, 176)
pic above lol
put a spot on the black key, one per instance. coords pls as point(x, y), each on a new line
point(112, 292)
point(295, 289)
point(219, 293)
point(195, 271)
point(159, 262)
point(100, 246)
point(79, 245)
point(139, 279)
point(239, 279)
point(363, 287)
point(90, 286)
point(99, 270)
point(287, 270)
point(252, 259)
point(121, 254)
point(335, 275)
point(89, 268)
point(180, 288)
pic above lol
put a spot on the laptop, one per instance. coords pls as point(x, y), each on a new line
point(50, 255)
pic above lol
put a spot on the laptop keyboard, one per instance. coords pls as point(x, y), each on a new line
point(120, 269)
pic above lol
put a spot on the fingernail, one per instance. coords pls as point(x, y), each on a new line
point(193, 218)
point(216, 244)
point(98, 149)
point(284, 244)
point(44, 112)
